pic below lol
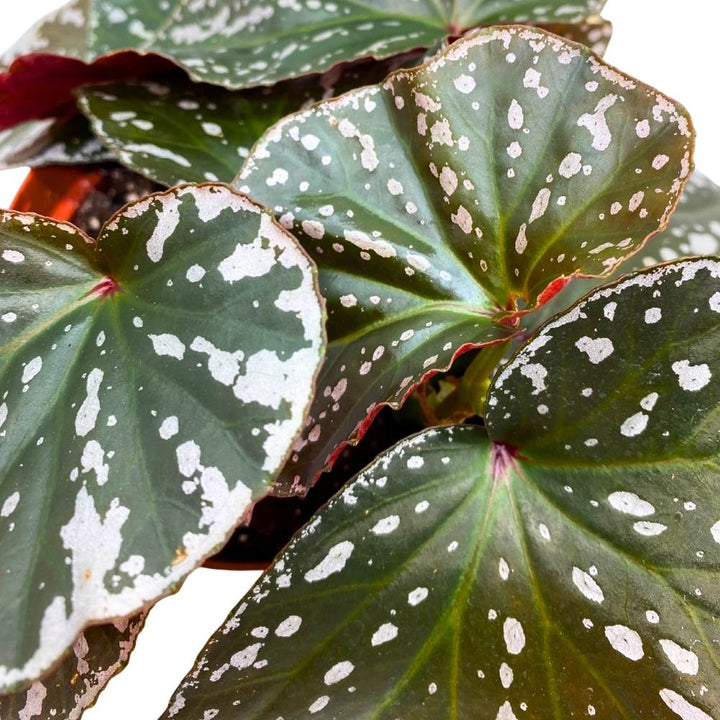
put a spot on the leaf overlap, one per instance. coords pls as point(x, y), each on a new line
point(528, 574)
point(467, 185)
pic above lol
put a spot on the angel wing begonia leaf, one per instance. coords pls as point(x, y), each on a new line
point(434, 202)
point(565, 566)
point(243, 43)
point(97, 655)
point(151, 385)
point(694, 229)
point(176, 130)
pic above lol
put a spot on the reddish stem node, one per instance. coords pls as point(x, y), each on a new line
point(107, 287)
point(503, 458)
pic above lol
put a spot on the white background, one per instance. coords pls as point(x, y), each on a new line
point(670, 45)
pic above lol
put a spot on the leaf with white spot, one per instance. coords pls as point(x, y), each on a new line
point(694, 229)
point(61, 32)
point(595, 32)
point(52, 141)
point(245, 43)
point(151, 386)
point(529, 574)
point(453, 194)
point(176, 130)
point(98, 654)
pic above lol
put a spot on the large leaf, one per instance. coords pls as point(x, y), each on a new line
point(176, 130)
point(97, 654)
point(52, 141)
point(151, 386)
point(440, 199)
point(565, 568)
point(239, 44)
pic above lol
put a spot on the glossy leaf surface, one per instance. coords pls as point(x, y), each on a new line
point(52, 141)
point(531, 575)
point(176, 130)
point(694, 229)
point(151, 386)
point(97, 654)
point(243, 43)
point(450, 192)
point(594, 32)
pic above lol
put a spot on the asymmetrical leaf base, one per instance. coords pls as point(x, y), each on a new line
point(453, 193)
point(565, 568)
point(151, 385)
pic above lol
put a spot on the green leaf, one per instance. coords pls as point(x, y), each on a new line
point(694, 229)
point(151, 385)
point(98, 654)
point(433, 202)
point(61, 32)
point(240, 45)
point(176, 130)
point(52, 141)
point(594, 32)
point(529, 575)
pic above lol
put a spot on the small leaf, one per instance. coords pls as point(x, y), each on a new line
point(52, 141)
point(529, 575)
point(98, 654)
point(176, 130)
point(694, 227)
point(151, 385)
point(436, 201)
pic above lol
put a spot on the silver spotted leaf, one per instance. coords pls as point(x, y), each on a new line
point(525, 575)
point(694, 229)
point(174, 130)
point(151, 386)
point(437, 201)
point(51, 141)
point(61, 32)
point(96, 656)
point(245, 43)
point(595, 32)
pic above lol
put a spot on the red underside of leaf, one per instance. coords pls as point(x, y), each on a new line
point(56, 192)
point(555, 287)
point(41, 85)
point(362, 428)
point(552, 290)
